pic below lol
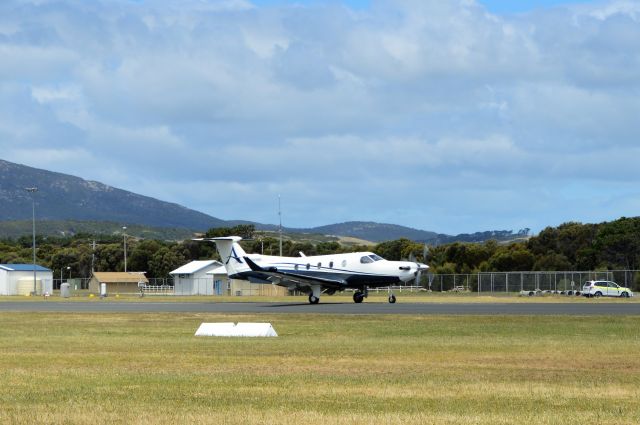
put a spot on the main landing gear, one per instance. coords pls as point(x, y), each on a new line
point(314, 295)
point(358, 297)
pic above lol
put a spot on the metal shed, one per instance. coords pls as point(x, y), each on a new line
point(195, 278)
point(17, 279)
point(118, 282)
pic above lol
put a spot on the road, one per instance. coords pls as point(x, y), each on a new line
point(576, 309)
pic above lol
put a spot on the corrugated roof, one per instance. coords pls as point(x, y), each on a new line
point(23, 268)
point(195, 266)
point(115, 277)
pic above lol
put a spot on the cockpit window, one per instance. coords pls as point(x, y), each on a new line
point(366, 260)
point(375, 257)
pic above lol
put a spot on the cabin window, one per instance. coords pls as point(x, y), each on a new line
point(319, 265)
point(331, 264)
point(308, 266)
point(375, 257)
point(344, 263)
point(366, 260)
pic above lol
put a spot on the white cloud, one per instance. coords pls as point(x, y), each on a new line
point(431, 112)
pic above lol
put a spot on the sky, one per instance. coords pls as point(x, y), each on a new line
point(453, 116)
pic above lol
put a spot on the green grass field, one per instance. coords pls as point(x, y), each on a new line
point(149, 368)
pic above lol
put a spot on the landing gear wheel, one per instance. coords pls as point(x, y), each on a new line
point(358, 297)
point(313, 300)
point(392, 299)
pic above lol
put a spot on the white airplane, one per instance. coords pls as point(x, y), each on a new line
point(317, 274)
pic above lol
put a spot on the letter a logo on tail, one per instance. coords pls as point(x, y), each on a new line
point(234, 255)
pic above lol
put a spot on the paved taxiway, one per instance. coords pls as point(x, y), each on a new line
point(578, 309)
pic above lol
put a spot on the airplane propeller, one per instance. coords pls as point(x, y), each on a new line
point(425, 252)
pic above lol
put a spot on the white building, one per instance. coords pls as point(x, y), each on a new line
point(235, 287)
point(17, 279)
point(195, 278)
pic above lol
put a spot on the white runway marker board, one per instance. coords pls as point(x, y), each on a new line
point(230, 329)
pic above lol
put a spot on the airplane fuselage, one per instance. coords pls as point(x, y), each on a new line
point(316, 274)
point(354, 270)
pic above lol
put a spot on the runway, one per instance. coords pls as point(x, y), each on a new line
point(574, 309)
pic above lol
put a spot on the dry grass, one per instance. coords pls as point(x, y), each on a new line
point(149, 368)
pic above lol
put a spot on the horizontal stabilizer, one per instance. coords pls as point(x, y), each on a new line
point(256, 268)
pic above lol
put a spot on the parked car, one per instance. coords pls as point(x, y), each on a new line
point(605, 288)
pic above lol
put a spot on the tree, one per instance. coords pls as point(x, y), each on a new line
point(165, 260)
point(109, 258)
point(552, 262)
point(515, 257)
point(142, 253)
point(245, 231)
point(618, 243)
point(393, 250)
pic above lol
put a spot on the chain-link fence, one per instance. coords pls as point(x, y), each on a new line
point(505, 282)
point(486, 282)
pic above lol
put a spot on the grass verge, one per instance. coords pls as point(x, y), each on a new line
point(149, 368)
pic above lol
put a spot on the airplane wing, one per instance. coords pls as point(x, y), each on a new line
point(294, 279)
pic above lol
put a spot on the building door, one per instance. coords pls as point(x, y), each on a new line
point(217, 287)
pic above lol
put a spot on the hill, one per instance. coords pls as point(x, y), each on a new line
point(67, 204)
point(66, 197)
point(62, 228)
point(370, 231)
point(380, 232)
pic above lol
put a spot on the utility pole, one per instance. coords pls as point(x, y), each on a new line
point(33, 190)
point(93, 257)
point(124, 236)
point(280, 227)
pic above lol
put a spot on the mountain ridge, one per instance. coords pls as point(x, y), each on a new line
point(67, 198)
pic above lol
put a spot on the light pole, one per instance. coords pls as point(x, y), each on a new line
point(61, 276)
point(124, 237)
point(33, 190)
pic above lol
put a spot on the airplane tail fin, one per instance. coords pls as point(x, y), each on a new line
point(231, 254)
